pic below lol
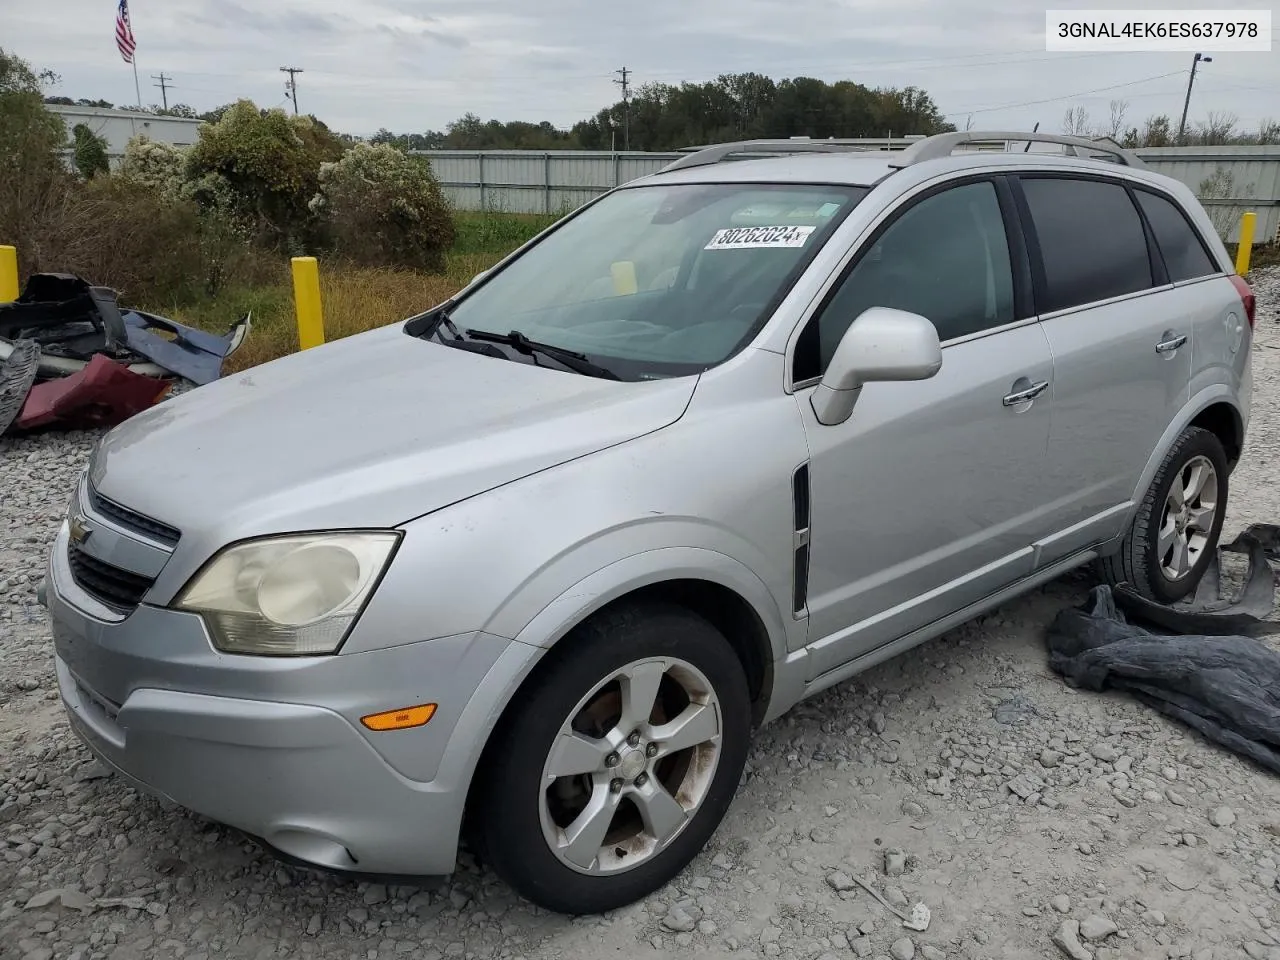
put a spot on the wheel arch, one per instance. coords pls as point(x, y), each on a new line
point(1214, 408)
point(717, 587)
point(1224, 421)
point(755, 636)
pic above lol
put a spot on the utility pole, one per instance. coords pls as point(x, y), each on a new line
point(164, 84)
point(625, 83)
point(291, 86)
point(1182, 124)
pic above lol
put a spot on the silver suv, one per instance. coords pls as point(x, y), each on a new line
point(532, 566)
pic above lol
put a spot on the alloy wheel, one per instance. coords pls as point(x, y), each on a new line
point(630, 766)
point(1187, 521)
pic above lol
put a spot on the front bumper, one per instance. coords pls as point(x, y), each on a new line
point(274, 746)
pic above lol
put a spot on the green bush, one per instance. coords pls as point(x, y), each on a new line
point(34, 181)
point(379, 207)
point(89, 152)
point(222, 231)
point(266, 165)
point(160, 167)
point(124, 234)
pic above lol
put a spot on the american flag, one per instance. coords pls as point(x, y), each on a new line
point(124, 32)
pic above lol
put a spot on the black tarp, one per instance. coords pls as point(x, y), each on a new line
point(1225, 685)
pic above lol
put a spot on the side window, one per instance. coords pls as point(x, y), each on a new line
point(1091, 239)
point(945, 258)
point(1184, 254)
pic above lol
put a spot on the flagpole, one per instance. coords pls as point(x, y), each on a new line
point(136, 89)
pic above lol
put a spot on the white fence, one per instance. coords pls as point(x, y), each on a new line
point(529, 181)
point(1229, 180)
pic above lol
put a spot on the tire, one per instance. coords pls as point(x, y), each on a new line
point(1143, 564)
point(521, 823)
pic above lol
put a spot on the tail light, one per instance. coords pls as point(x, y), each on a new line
point(1246, 297)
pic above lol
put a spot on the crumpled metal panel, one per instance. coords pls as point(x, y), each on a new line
point(187, 352)
point(74, 321)
point(104, 393)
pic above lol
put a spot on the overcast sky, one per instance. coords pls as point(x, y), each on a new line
point(411, 65)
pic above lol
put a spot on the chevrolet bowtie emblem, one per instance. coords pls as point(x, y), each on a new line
point(79, 531)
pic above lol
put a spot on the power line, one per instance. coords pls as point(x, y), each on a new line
point(164, 84)
point(1068, 96)
point(947, 62)
point(291, 86)
point(920, 63)
point(624, 73)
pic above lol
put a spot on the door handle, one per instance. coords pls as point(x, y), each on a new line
point(1173, 343)
point(1022, 396)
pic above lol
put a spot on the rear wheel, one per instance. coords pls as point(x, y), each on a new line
point(1175, 531)
point(617, 764)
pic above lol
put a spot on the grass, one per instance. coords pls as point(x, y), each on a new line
point(356, 299)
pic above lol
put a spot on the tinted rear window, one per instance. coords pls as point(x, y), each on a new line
point(1184, 253)
point(1091, 238)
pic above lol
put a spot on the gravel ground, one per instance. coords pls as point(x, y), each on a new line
point(1033, 820)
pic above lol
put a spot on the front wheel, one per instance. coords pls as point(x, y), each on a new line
point(616, 765)
point(1175, 531)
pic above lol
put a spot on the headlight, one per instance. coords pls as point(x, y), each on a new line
point(288, 596)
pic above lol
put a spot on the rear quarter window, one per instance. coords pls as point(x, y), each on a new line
point(1091, 239)
point(1185, 256)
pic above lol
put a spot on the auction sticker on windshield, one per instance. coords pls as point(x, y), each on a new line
point(747, 238)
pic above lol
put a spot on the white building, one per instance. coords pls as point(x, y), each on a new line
point(118, 127)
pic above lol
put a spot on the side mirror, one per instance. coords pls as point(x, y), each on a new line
point(478, 277)
point(881, 344)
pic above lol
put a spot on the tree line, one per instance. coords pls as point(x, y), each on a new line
point(740, 106)
point(663, 117)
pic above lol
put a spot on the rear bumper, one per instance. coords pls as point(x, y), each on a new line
point(274, 747)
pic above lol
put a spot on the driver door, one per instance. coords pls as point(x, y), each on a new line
point(928, 498)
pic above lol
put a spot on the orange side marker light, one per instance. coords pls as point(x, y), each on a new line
point(401, 719)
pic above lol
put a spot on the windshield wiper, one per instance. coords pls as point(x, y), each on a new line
point(445, 321)
point(576, 362)
point(441, 320)
point(454, 338)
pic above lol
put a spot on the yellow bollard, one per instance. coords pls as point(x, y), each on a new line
point(9, 289)
point(306, 297)
point(1245, 250)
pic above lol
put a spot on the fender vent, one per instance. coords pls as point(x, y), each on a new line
point(800, 539)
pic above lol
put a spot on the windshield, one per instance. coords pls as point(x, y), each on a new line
point(661, 281)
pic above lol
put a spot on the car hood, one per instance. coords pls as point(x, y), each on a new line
point(370, 431)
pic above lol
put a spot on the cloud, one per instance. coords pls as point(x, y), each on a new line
point(414, 65)
point(227, 14)
point(407, 37)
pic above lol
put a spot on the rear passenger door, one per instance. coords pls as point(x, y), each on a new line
point(1205, 295)
point(1121, 341)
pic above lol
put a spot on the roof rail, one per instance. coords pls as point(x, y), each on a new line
point(944, 144)
point(722, 151)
